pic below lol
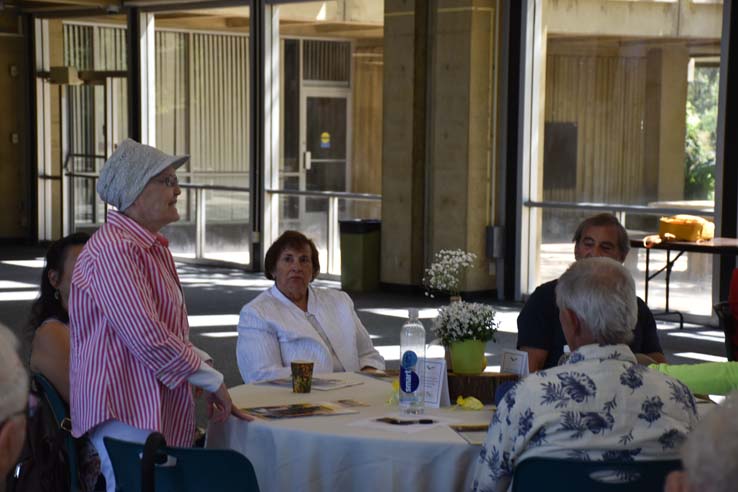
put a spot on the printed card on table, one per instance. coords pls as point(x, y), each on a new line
point(514, 362)
point(435, 385)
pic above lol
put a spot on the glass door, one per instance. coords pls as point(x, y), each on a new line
point(323, 139)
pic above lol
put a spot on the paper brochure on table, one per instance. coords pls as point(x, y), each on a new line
point(401, 425)
point(435, 385)
point(295, 410)
point(319, 384)
point(514, 362)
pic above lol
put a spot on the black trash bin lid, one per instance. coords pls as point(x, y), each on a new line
point(359, 226)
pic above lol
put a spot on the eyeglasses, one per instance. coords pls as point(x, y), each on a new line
point(169, 181)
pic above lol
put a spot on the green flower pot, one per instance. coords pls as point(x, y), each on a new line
point(467, 357)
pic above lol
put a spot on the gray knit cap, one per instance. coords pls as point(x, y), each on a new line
point(128, 170)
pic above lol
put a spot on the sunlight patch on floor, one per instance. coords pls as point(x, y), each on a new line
point(197, 321)
point(702, 357)
point(713, 333)
point(219, 334)
point(229, 282)
point(392, 352)
point(10, 284)
point(37, 263)
point(507, 320)
point(696, 336)
point(426, 313)
point(19, 295)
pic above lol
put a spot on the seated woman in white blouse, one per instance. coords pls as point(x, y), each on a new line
point(296, 321)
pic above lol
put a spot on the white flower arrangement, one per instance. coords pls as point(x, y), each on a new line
point(465, 321)
point(444, 274)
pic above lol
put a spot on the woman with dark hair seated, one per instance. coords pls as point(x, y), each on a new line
point(49, 317)
point(50, 345)
point(295, 321)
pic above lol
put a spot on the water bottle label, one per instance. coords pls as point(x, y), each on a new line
point(409, 381)
point(409, 359)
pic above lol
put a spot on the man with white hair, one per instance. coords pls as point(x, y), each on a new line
point(599, 405)
point(709, 455)
point(13, 399)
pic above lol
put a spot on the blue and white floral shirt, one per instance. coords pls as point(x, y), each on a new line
point(600, 405)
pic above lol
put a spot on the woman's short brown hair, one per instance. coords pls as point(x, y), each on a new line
point(294, 240)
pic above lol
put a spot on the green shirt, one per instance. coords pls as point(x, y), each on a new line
point(708, 378)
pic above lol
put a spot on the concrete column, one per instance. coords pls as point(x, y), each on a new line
point(402, 178)
point(462, 130)
point(666, 99)
point(454, 168)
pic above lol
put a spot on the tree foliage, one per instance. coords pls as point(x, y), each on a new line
point(702, 103)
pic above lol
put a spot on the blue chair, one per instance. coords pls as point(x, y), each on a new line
point(153, 466)
point(536, 474)
point(60, 410)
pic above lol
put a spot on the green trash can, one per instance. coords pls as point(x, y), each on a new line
point(360, 248)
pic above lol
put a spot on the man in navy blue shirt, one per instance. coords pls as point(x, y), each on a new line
point(539, 328)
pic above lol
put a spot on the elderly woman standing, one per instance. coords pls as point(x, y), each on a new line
point(132, 365)
point(295, 321)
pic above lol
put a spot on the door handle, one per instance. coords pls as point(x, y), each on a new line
point(308, 160)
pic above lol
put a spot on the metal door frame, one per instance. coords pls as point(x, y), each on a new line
point(308, 91)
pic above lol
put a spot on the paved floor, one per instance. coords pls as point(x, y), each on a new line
point(215, 296)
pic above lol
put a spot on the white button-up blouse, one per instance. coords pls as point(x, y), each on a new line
point(273, 331)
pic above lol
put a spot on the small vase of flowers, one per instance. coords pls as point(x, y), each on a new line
point(445, 273)
point(466, 327)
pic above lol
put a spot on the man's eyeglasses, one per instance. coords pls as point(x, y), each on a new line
point(169, 181)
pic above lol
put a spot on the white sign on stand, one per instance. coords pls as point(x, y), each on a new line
point(435, 386)
point(514, 362)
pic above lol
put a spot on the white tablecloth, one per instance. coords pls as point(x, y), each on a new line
point(326, 453)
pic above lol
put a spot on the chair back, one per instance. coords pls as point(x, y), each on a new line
point(537, 474)
point(728, 325)
point(60, 410)
point(154, 467)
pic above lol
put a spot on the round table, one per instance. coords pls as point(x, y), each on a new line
point(327, 453)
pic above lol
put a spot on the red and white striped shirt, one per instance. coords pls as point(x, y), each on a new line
point(130, 353)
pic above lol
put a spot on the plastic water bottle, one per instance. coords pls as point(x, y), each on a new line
point(412, 357)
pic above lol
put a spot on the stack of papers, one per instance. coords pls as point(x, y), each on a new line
point(295, 410)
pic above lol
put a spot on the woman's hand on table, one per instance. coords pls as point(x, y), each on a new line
point(220, 406)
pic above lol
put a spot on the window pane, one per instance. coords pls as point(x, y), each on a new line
point(628, 114)
point(202, 110)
